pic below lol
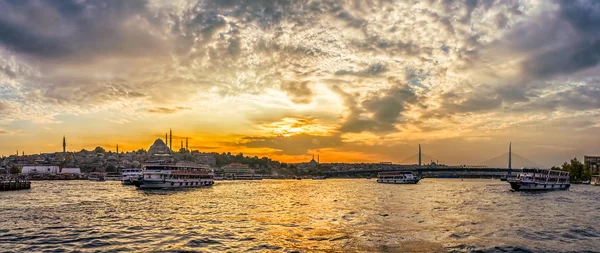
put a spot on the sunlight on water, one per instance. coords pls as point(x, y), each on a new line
point(334, 215)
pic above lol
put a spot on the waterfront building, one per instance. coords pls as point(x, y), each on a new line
point(40, 169)
point(592, 162)
point(71, 171)
point(237, 168)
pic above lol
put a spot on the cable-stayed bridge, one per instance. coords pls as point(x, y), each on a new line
point(428, 166)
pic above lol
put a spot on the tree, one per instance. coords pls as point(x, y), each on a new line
point(15, 170)
point(111, 168)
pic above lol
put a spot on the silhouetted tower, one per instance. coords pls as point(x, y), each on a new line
point(509, 157)
point(23, 153)
point(17, 152)
point(170, 139)
point(64, 144)
point(181, 145)
point(117, 149)
point(319, 159)
point(166, 139)
point(186, 143)
point(419, 155)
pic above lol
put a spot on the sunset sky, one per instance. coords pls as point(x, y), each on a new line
point(349, 80)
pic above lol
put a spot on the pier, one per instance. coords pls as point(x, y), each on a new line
point(13, 183)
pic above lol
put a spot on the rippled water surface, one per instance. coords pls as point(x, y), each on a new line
point(334, 215)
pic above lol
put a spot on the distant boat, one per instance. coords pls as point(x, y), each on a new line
point(397, 177)
point(539, 180)
point(248, 177)
point(130, 175)
point(368, 177)
point(96, 177)
point(113, 176)
point(595, 180)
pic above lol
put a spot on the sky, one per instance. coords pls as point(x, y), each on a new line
point(350, 81)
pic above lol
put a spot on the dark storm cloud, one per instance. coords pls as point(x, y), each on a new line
point(386, 110)
point(577, 98)
point(577, 48)
point(80, 29)
point(293, 145)
point(299, 92)
point(488, 98)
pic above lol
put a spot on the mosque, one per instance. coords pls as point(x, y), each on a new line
point(160, 147)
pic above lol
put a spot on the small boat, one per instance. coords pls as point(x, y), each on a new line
point(112, 176)
point(96, 177)
point(540, 180)
point(397, 177)
point(130, 175)
point(248, 177)
point(368, 177)
point(595, 180)
point(298, 178)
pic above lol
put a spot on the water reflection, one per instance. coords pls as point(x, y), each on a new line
point(322, 215)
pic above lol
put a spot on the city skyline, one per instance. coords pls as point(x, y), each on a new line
point(362, 81)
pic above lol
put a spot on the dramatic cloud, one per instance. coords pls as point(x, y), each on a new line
point(299, 93)
point(291, 77)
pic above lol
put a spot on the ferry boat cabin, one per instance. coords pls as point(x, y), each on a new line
point(540, 179)
point(397, 177)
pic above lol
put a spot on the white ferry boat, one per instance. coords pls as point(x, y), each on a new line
point(130, 175)
point(161, 174)
point(397, 177)
point(540, 180)
point(595, 180)
point(96, 176)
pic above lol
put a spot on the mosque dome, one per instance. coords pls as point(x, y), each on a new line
point(158, 148)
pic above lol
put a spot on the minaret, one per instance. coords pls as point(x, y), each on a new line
point(170, 139)
point(509, 157)
point(186, 143)
point(166, 139)
point(181, 144)
point(318, 159)
point(419, 155)
point(64, 144)
point(117, 149)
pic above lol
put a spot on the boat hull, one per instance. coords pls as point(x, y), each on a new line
point(398, 181)
point(171, 184)
point(526, 186)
